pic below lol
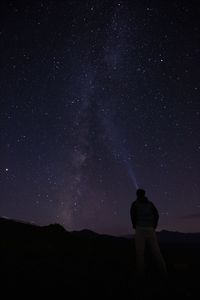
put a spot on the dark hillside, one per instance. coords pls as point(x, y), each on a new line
point(52, 260)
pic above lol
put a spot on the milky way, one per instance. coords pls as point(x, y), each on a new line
point(98, 98)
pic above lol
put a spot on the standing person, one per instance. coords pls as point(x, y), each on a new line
point(144, 217)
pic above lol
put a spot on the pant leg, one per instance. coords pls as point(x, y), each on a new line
point(155, 249)
point(139, 248)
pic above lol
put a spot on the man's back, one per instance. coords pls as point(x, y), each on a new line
point(144, 213)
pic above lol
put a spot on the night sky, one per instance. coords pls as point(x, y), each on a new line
point(97, 98)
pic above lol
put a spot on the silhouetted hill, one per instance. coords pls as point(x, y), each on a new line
point(50, 259)
point(166, 236)
point(178, 237)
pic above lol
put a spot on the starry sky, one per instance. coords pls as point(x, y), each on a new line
point(98, 98)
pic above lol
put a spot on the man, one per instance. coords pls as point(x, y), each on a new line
point(144, 217)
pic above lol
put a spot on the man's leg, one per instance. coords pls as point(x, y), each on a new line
point(153, 243)
point(139, 249)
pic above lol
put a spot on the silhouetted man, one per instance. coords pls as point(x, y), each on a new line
point(144, 216)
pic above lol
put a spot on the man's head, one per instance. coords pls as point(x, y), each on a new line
point(140, 193)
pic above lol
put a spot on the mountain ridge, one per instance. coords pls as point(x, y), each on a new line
point(58, 229)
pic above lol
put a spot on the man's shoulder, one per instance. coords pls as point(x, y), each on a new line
point(151, 203)
point(134, 203)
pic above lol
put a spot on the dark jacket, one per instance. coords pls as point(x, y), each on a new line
point(144, 213)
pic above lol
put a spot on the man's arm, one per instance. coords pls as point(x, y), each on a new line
point(156, 215)
point(133, 215)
